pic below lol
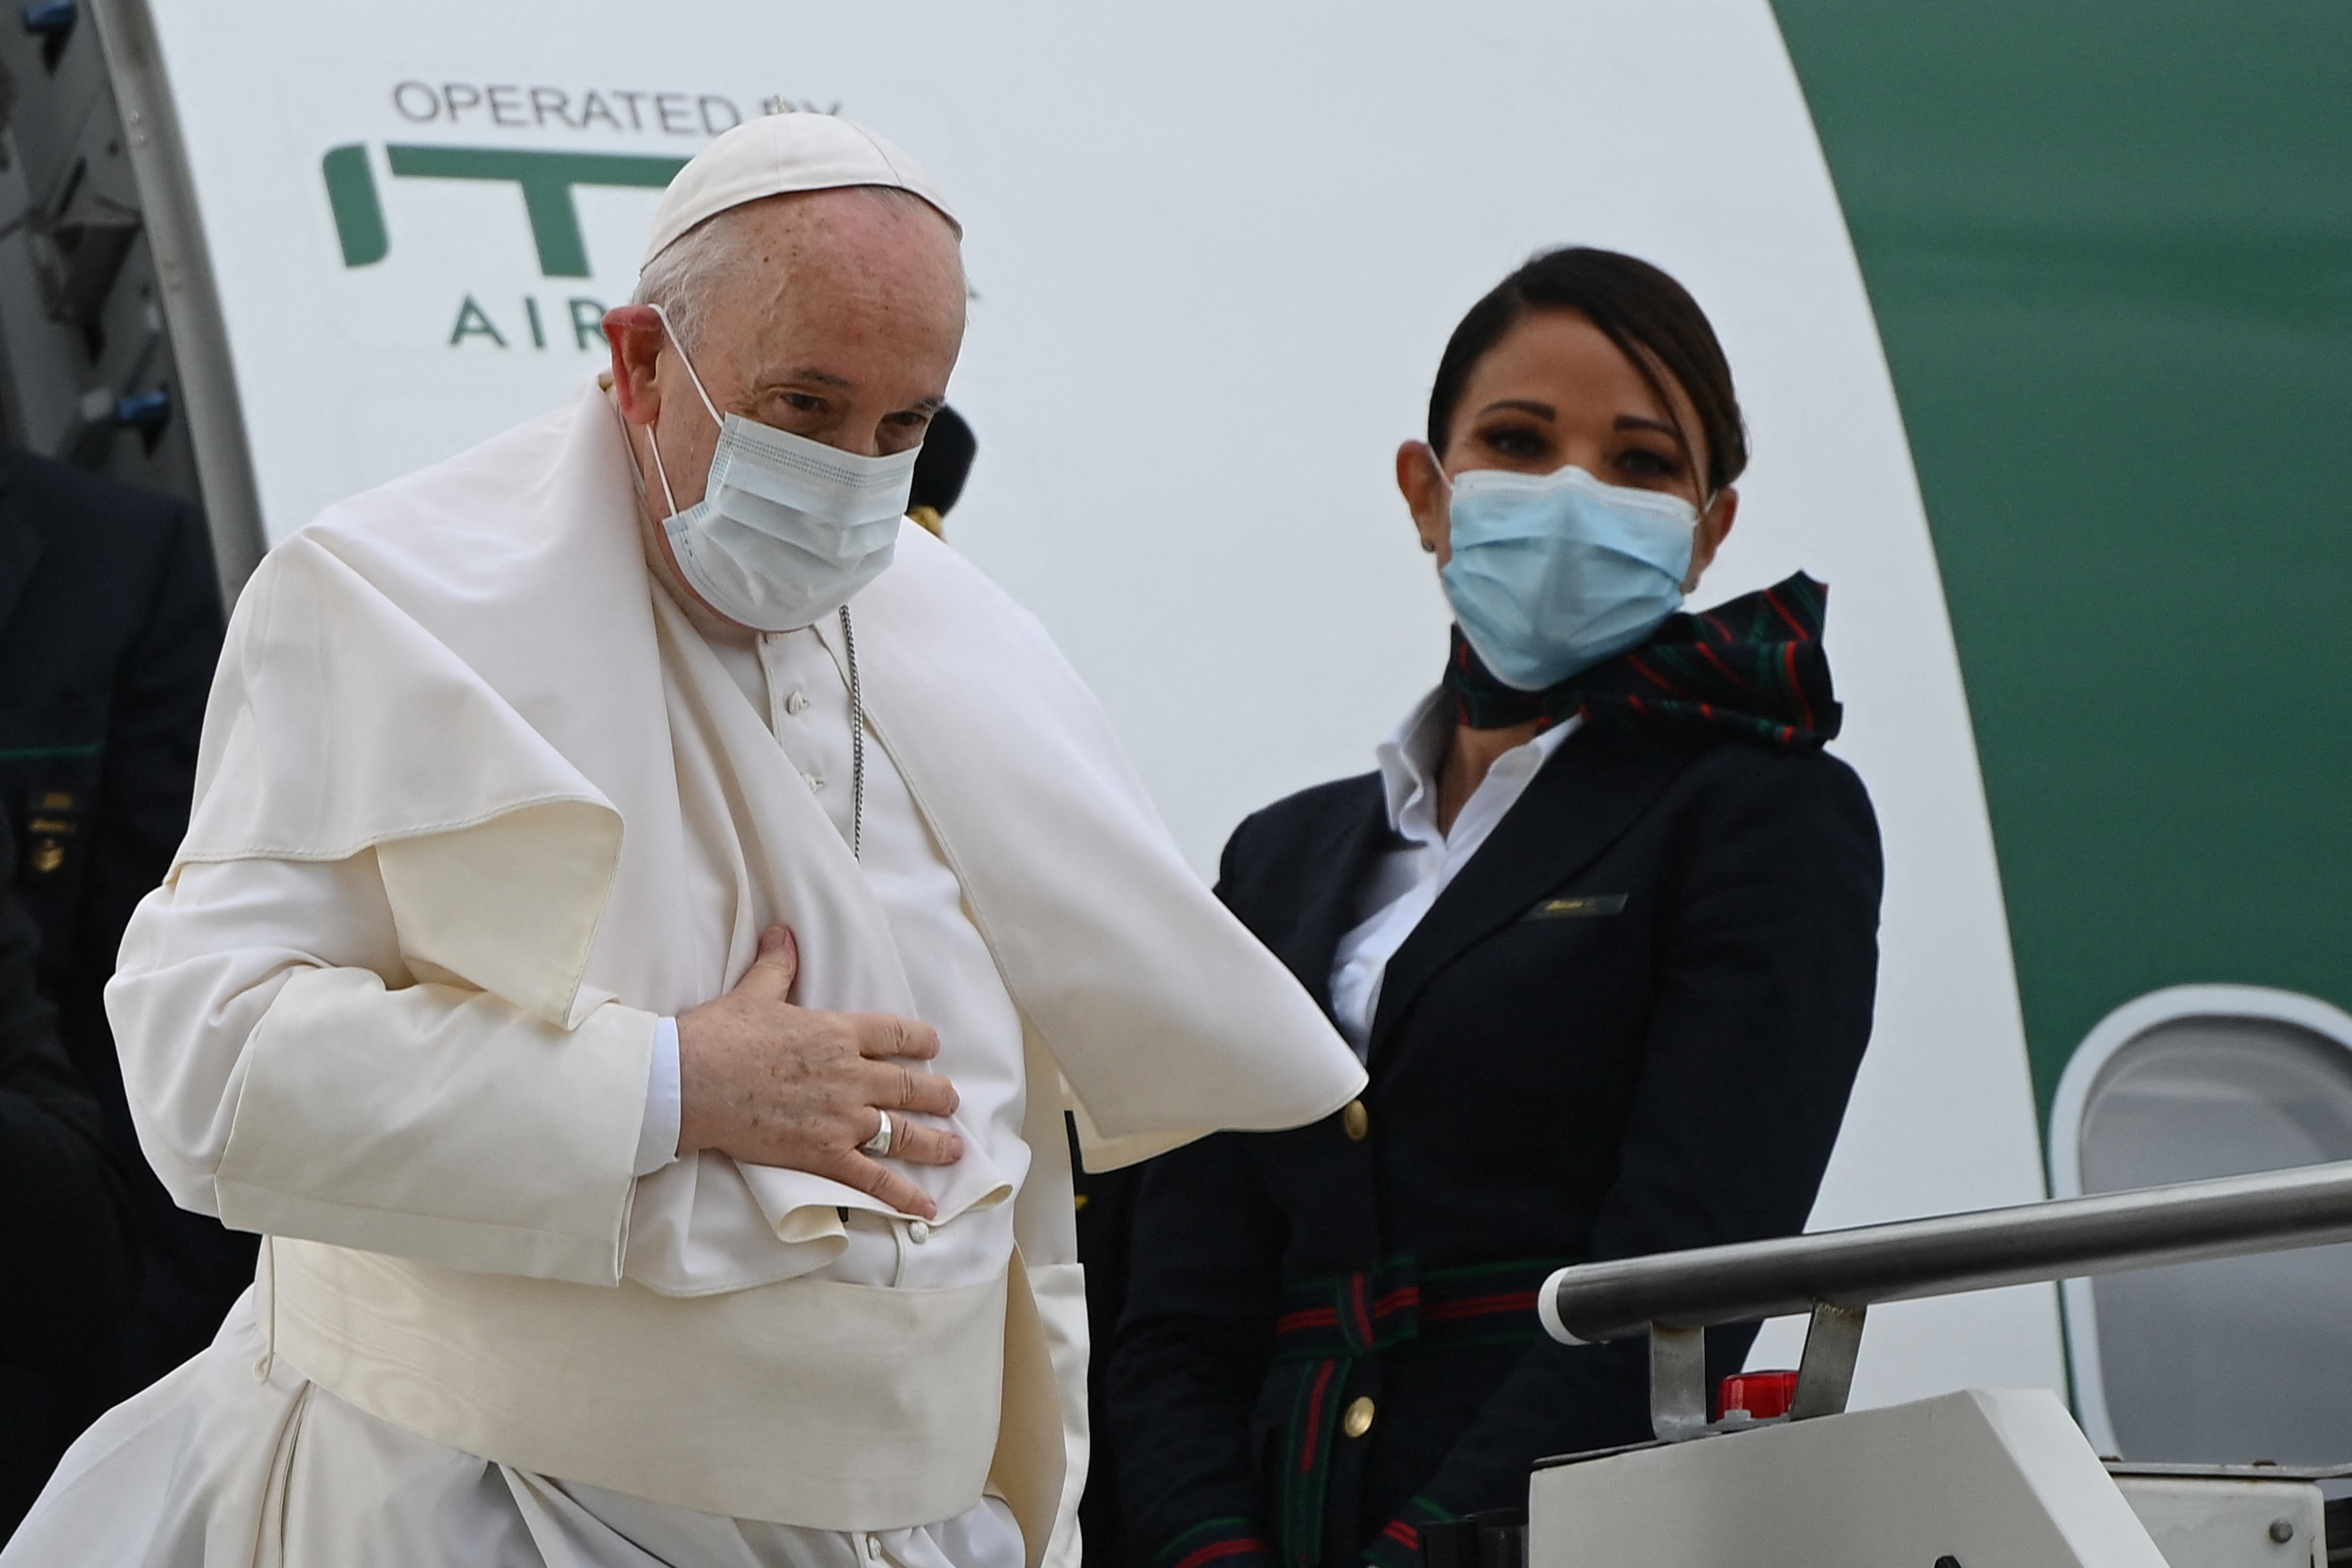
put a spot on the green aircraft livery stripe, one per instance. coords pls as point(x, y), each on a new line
point(2109, 245)
point(546, 180)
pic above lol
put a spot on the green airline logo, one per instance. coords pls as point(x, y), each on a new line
point(546, 180)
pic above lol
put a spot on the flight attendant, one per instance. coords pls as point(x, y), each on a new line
point(1603, 926)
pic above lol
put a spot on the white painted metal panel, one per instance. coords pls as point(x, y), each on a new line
point(1979, 1477)
point(2212, 1521)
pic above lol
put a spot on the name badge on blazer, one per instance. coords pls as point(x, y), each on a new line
point(1581, 906)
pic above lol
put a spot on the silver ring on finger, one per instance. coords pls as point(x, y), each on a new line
point(879, 1144)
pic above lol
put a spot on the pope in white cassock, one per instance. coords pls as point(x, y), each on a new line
point(644, 909)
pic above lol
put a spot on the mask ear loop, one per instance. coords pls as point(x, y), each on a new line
point(682, 359)
point(653, 439)
point(1437, 466)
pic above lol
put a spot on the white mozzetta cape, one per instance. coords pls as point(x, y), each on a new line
point(468, 675)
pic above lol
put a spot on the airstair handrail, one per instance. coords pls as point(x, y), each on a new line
point(2067, 1238)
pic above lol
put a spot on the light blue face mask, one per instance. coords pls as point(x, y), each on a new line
point(1553, 572)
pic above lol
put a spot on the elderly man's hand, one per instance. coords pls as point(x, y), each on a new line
point(773, 1084)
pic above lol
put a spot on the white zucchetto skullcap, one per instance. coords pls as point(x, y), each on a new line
point(777, 155)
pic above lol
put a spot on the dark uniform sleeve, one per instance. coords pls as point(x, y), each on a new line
point(66, 1267)
point(1205, 1283)
point(157, 715)
point(1768, 971)
point(1204, 1290)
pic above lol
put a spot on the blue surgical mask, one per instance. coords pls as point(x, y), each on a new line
point(1553, 572)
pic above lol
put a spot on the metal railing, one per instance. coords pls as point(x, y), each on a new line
point(1838, 1275)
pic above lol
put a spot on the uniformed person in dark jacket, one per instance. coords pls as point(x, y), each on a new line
point(66, 1261)
point(110, 626)
point(941, 469)
point(1604, 926)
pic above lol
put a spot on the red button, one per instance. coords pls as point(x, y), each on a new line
point(1762, 1395)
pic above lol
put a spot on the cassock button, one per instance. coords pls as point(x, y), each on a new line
point(797, 703)
point(814, 782)
point(918, 1231)
point(1358, 1122)
point(1359, 1418)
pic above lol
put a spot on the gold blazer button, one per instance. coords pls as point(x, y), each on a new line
point(1359, 1418)
point(1357, 1122)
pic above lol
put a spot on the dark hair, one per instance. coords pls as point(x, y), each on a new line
point(945, 461)
point(1649, 316)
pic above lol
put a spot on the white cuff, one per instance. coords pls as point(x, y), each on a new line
point(657, 1140)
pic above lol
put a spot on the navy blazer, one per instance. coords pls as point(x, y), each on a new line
point(110, 626)
point(65, 1213)
point(1628, 1026)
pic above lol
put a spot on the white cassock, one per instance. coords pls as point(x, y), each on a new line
point(477, 809)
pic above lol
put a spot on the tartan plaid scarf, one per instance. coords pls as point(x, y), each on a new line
point(1749, 669)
